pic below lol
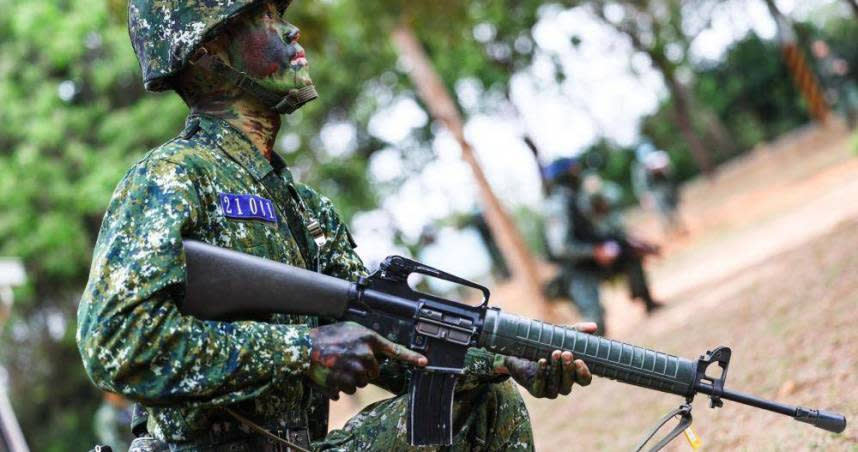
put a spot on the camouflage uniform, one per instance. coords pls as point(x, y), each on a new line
point(211, 184)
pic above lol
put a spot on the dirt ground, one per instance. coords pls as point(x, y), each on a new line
point(769, 267)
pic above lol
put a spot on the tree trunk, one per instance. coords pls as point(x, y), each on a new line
point(682, 110)
point(683, 107)
point(719, 134)
point(434, 94)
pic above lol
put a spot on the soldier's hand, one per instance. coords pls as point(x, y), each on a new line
point(344, 356)
point(548, 378)
point(606, 253)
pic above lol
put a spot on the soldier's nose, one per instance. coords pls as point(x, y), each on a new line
point(292, 34)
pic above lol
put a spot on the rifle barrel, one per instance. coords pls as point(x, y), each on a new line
point(826, 420)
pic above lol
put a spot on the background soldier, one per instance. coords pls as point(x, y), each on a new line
point(655, 186)
point(841, 88)
point(586, 237)
point(112, 422)
point(253, 385)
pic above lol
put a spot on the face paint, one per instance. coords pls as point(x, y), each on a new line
point(266, 48)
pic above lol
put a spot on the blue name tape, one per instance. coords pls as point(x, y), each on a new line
point(247, 207)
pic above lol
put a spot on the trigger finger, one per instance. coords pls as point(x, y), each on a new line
point(400, 352)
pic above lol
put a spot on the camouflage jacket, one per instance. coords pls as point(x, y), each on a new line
point(210, 184)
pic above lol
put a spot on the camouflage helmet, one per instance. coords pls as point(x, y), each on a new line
point(166, 33)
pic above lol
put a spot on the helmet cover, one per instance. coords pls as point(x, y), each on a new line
point(165, 33)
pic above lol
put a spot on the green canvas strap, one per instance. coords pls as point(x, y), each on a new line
point(281, 104)
point(282, 194)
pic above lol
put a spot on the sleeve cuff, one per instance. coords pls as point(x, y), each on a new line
point(480, 369)
point(289, 348)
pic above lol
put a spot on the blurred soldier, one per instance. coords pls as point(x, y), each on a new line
point(112, 422)
point(586, 238)
point(841, 88)
point(655, 186)
point(258, 385)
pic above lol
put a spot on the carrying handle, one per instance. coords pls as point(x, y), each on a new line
point(398, 268)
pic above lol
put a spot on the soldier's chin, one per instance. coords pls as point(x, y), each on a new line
point(287, 83)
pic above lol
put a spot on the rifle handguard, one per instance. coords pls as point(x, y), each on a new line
point(510, 334)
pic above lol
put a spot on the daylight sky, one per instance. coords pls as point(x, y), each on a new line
point(601, 97)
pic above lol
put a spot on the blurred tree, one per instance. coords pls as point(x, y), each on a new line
point(658, 29)
point(750, 90)
point(73, 119)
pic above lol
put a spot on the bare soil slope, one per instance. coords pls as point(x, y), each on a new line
point(770, 268)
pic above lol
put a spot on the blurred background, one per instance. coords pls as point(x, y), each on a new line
point(751, 101)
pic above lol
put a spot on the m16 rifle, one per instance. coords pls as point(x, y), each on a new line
point(227, 285)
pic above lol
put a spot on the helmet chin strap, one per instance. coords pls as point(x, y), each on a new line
point(287, 104)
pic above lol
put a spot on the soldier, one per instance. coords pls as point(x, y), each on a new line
point(253, 385)
point(841, 89)
point(585, 236)
point(655, 186)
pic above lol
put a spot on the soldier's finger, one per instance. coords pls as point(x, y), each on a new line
point(582, 373)
point(359, 374)
point(586, 327)
point(569, 370)
point(398, 352)
point(346, 383)
point(555, 377)
point(537, 387)
point(371, 366)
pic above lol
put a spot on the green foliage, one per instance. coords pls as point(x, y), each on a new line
point(73, 120)
point(751, 91)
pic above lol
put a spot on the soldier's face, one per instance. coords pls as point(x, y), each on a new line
point(265, 46)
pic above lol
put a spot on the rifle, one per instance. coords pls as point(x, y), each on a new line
point(223, 284)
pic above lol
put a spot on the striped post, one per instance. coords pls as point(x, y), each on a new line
point(806, 81)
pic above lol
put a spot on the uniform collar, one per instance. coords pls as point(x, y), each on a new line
point(240, 149)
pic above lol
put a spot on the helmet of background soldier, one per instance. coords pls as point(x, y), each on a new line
point(644, 149)
point(167, 34)
point(657, 161)
point(563, 171)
